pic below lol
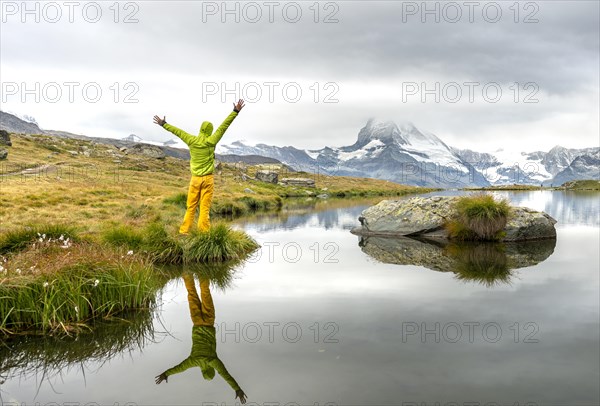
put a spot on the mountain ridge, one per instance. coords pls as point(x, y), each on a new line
point(401, 153)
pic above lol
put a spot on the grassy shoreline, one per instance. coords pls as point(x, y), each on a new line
point(123, 212)
point(588, 184)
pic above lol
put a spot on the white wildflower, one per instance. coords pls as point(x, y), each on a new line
point(96, 282)
point(40, 239)
point(130, 252)
point(77, 310)
point(18, 271)
point(1, 268)
point(39, 235)
point(46, 284)
point(62, 237)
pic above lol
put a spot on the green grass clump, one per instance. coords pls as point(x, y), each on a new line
point(219, 244)
point(19, 239)
point(478, 217)
point(123, 236)
point(160, 245)
point(163, 246)
point(69, 287)
point(179, 200)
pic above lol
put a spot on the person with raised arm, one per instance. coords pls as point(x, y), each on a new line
point(202, 166)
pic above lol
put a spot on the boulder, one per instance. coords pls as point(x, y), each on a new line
point(5, 138)
point(267, 176)
point(417, 215)
point(248, 190)
point(323, 196)
point(3, 154)
point(426, 216)
point(303, 182)
point(151, 151)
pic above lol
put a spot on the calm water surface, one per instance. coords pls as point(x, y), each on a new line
point(313, 318)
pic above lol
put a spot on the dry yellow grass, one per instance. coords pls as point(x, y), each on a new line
point(43, 182)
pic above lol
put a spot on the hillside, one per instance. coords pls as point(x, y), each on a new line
point(82, 182)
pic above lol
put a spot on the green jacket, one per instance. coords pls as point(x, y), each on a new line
point(202, 146)
point(204, 356)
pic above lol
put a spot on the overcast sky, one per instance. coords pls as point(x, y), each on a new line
point(370, 59)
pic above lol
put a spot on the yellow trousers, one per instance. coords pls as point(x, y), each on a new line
point(202, 309)
point(200, 193)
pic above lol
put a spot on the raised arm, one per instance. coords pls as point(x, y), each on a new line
point(185, 137)
point(184, 365)
point(216, 137)
point(220, 367)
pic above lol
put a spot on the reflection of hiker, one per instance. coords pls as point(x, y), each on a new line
point(204, 342)
point(202, 165)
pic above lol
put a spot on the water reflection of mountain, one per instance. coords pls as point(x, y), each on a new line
point(487, 263)
point(325, 215)
point(568, 207)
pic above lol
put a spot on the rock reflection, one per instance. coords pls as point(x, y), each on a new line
point(483, 262)
point(202, 313)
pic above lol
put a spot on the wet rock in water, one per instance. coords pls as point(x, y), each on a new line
point(417, 215)
point(528, 224)
point(267, 176)
point(426, 216)
point(323, 196)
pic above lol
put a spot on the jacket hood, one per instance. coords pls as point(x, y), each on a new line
point(206, 129)
point(208, 373)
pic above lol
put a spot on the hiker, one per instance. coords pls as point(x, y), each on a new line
point(202, 165)
point(204, 341)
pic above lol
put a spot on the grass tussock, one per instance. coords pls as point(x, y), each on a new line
point(478, 217)
point(18, 239)
point(123, 236)
point(164, 246)
point(71, 284)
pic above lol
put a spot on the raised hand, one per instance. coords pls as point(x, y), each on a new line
point(160, 378)
point(239, 106)
point(240, 394)
point(160, 121)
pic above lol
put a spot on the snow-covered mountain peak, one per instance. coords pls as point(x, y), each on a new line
point(385, 131)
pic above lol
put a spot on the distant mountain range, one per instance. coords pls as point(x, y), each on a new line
point(14, 124)
point(405, 154)
point(400, 153)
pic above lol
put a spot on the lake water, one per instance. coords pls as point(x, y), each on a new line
point(312, 318)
